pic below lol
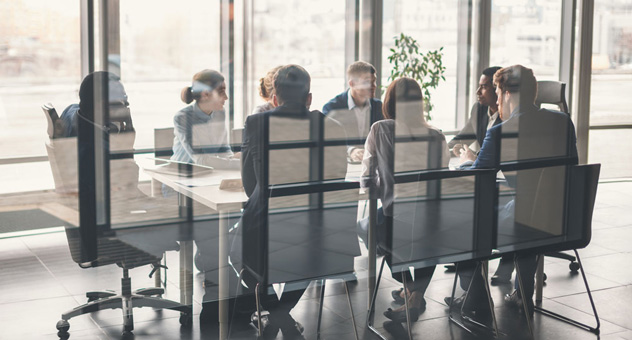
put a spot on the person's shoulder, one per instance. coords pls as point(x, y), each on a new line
point(433, 130)
point(337, 102)
point(383, 125)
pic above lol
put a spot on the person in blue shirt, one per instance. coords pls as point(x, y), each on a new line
point(526, 133)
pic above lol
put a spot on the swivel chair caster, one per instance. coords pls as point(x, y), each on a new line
point(63, 326)
point(573, 266)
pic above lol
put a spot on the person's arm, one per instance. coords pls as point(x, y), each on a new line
point(183, 131)
point(369, 177)
point(489, 157)
point(248, 155)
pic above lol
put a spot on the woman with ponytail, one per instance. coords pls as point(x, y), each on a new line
point(200, 133)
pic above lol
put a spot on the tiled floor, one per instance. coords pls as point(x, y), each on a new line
point(39, 280)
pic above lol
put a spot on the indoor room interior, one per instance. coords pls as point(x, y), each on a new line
point(182, 187)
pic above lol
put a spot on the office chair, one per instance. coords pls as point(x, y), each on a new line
point(554, 93)
point(307, 223)
point(581, 202)
point(112, 250)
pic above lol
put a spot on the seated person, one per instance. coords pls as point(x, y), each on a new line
point(404, 117)
point(290, 121)
point(541, 134)
point(266, 90)
point(120, 118)
point(356, 109)
point(200, 133)
point(484, 115)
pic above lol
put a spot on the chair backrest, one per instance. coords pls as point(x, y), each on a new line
point(62, 156)
point(299, 226)
point(455, 224)
point(163, 142)
point(552, 92)
point(554, 213)
point(54, 128)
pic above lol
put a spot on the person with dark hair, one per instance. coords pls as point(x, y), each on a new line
point(484, 115)
point(403, 118)
point(291, 99)
point(119, 113)
point(356, 109)
point(200, 133)
point(526, 133)
point(266, 90)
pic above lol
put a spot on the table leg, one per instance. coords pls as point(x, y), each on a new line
point(186, 273)
point(223, 275)
point(539, 279)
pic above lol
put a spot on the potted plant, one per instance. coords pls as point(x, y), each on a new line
point(426, 68)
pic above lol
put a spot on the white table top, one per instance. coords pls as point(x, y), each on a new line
point(205, 188)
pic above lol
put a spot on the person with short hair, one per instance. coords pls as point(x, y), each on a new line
point(356, 109)
point(289, 120)
point(483, 115)
point(526, 133)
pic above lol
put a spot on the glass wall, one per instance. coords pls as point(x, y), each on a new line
point(312, 35)
point(434, 24)
point(527, 32)
point(39, 64)
point(611, 82)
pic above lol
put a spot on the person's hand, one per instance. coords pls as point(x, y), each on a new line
point(456, 149)
point(237, 155)
point(466, 154)
point(357, 155)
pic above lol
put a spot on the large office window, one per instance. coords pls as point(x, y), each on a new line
point(39, 63)
point(434, 24)
point(527, 32)
point(610, 117)
point(160, 50)
point(310, 34)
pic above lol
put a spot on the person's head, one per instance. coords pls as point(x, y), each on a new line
point(362, 80)
point(208, 90)
point(515, 86)
point(403, 93)
point(291, 85)
point(486, 93)
point(118, 106)
point(266, 84)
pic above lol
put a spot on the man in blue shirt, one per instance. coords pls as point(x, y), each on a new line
point(526, 133)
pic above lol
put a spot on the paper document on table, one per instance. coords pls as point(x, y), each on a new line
point(354, 172)
point(199, 181)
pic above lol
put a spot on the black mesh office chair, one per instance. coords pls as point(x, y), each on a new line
point(112, 250)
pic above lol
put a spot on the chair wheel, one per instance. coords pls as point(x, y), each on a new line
point(63, 326)
point(573, 266)
point(543, 277)
point(186, 319)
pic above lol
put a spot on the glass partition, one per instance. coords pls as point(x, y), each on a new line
point(527, 33)
point(610, 117)
point(434, 24)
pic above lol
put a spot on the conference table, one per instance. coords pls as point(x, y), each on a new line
point(205, 189)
